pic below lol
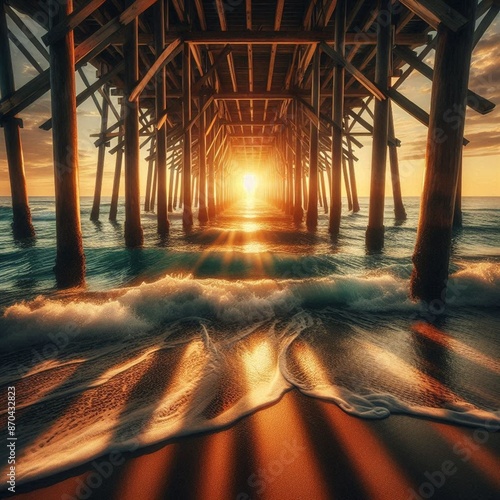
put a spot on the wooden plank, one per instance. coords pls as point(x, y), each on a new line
point(474, 101)
point(26, 53)
point(293, 38)
point(70, 259)
point(392, 141)
point(374, 236)
point(339, 60)
point(167, 55)
point(223, 54)
point(485, 23)
point(443, 161)
point(435, 12)
point(21, 216)
point(36, 87)
point(71, 21)
point(410, 107)
point(85, 94)
point(337, 118)
point(85, 80)
point(27, 32)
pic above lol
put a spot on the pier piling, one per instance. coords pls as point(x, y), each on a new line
point(375, 230)
point(133, 229)
point(444, 156)
point(21, 214)
point(70, 258)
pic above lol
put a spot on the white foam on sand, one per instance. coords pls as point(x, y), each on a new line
point(180, 355)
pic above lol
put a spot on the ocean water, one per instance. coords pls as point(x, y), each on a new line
point(191, 333)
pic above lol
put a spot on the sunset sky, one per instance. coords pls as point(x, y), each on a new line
point(481, 161)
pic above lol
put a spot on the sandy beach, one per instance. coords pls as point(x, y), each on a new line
point(299, 449)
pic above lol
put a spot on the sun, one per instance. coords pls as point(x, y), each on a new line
point(249, 183)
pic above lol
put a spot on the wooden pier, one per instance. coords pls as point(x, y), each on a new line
point(284, 84)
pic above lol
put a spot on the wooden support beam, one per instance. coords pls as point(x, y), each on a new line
point(339, 60)
point(312, 208)
point(399, 209)
point(70, 259)
point(211, 206)
point(292, 38)
point(280, 95)
point(87, 50)
point(96, 206)
point(337, 117)
point(346, 183)
point(163, 224)
point(187, 215)
point(474, 101)
point(90, 90)
point(202, 171)
point(217, 62)
point(392, 141)
point(26, 53)
point(27, 33)
point(149, 179)
point(86, 82)
point(298, 210)
point(485, 22)
point(254, 123)
point(436, 12)
point(444, 153)
point(413, 109)
point(133, 230)
point(322, 119)
point(274, 48)
point(21, 223)
point(163, 59)
point(375, 230)
point(352, 173)
point(113, 209)
point(71, 22)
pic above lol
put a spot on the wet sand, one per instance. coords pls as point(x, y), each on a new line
point(300, 448)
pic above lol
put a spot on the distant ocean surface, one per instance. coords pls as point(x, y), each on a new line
point(191, 333)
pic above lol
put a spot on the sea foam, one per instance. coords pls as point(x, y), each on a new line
point(147, 363)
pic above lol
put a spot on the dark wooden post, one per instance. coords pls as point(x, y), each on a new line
point(202, 182)
point(70, 259)
point(223, 190)
point(194, 194)
point(176, 189)
point(187, 215)
point(323, 191)
point(21, 215)
point(298, 211)
point(133, 229)
point(154, 188)
point(347, 184)
point(375, 230)
point(399, 209)
point(171, 187)
point(211, 177)
point(101, 155)
point(289, 163)
point(443, 159)
point(337, 115)
point(312, 207)
point(163, 224)
point(457, 216)
point(113, 208)
point(149, 179)
point(352, 173)
point(305, 190)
